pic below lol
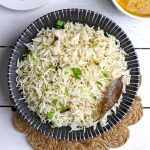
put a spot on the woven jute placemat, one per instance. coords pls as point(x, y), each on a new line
point(114, 138)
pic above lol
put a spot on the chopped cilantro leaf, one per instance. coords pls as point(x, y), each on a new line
point(62, 106)
point(51, 114)
point(105, 74)
point(33, 55)
point(52, 66)
point(39, 74)
point(65, 46)
point(54, 102)
point(52, 126)
point(93, 96)
point(93, 45)
point(76, 73)
point(65, 72)
point(45, 46)
point(66, 92)
point(98, 82)
point(60, 24)
point(58, 27)
point(26, 58)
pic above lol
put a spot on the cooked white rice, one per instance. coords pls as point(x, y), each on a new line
point(72, 72)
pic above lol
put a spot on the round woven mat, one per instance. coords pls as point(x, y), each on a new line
point(114, 138)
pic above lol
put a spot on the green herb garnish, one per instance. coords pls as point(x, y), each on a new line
point(51, 114)
point(105, 74)
point(33, 55)
point(62, 107)
point(45, 46)
point(65, 46)
point(65, 110)
point(54, 102)
point(60, 24)
point(52, 126)
point(26, 58)
point(98, 82)
point(66, 92)
point(93, 96)
point(93, 45)
point(76, 73)
point(65, 72)
point(52, 66)
point(39, 74)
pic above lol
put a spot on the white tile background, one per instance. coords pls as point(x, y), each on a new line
point(12, 23)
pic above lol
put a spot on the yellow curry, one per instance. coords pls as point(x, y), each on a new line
point(136, 7)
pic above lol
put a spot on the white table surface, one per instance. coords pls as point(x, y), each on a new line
point(12, 23)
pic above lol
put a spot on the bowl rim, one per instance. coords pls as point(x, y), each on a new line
point(115, 120)
point(127, 13)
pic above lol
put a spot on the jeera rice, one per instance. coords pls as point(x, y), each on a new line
point(67, 71)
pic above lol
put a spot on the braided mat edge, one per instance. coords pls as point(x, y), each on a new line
point(114, 138)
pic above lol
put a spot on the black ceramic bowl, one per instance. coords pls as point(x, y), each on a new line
point(85, 17)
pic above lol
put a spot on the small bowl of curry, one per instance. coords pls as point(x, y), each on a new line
point(139, 9)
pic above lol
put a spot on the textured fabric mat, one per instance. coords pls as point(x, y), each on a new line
point(114, 138)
